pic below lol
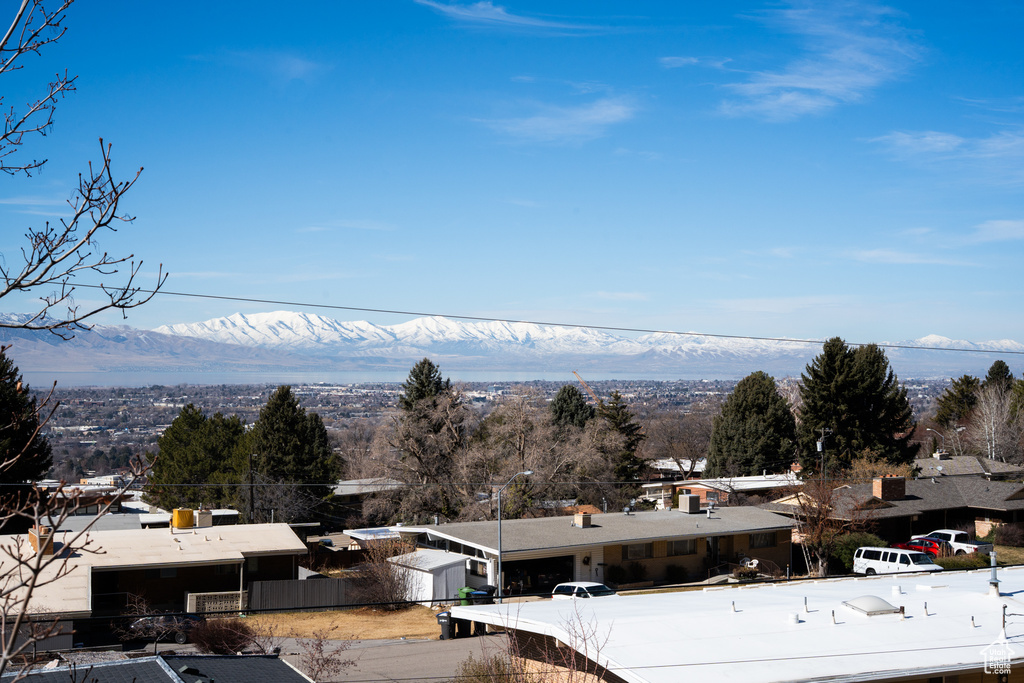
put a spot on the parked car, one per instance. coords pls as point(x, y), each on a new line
point(164, 626)
point(581, 589)
point(932, 546)
point(891, 560)
point(960, 541)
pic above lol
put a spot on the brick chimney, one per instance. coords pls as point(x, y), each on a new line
point(41, 540)
point(889, 487)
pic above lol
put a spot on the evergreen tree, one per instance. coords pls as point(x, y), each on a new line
point(292, 448)
point(24, 453)
point(424, 381)
point(570, 407)
point(195, 453)
point(999, 375)
point(754, 432)
point(626, 461)
point(856, 395)
point(956, 403)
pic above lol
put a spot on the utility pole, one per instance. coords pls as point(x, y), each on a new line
point(252, 498)
point(825, 431)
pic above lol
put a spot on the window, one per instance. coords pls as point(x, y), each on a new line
point(712, 495)
point(687, 547)
point(904, 559)
point(639, 551)
point(765, 540)
point(872, 554)
point(478, 568)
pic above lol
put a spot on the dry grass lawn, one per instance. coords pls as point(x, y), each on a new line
point(1007, 554)
point(358, 624)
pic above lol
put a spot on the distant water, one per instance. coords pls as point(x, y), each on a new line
point(40, 380)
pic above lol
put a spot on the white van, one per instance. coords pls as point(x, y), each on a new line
point(891, 560)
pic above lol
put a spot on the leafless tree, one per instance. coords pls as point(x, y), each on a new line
point(57, 254)
point(994, 429)
point(381, 583)
point(824, 512)
point(683, 439)
point(420, 448)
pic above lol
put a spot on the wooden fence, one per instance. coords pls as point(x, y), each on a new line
point(307, 594)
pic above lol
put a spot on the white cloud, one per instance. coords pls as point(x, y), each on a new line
point(489, 14)
point(676, 62)
point(998, 231)
point(561, 124)
point(849, 49)
point(996, 157)
point(622, 296)
point(347, 224)
point(780, 305)
point(903, 258)
point(273, 65)
point(32, 201)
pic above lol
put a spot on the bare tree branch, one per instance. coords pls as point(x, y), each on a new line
point(58, 254)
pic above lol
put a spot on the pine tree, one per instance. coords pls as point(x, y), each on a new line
point(570, 407)
point(292, 448)
point(626, 460)
point(195, 453)
point(24, 453)
point(999, 375)
point(754, 432)
point(424, 382)
point(956, 403)
point(855, 395)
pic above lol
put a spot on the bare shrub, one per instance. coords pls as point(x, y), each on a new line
point(500, 667)
point(322, 657)
point(379, 583)
point(1010, 534)
point(222, 636)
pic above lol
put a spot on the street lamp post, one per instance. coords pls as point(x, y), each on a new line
point(525, 473)
point(941, 436)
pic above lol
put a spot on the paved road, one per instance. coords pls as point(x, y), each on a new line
point(406, 661)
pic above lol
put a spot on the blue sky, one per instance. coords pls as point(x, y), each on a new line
point(796, 170)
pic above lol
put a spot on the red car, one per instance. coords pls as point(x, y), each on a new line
point(932, 546)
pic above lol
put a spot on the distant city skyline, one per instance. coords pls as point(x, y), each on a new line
point(773, 170)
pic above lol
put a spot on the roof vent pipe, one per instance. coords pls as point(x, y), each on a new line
point(993, 582)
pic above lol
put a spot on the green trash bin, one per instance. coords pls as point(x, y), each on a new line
point(464, 594)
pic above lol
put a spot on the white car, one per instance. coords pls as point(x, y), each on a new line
point(580, 589)
point(891, 560)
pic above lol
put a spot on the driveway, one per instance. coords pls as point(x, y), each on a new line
point(406, 660)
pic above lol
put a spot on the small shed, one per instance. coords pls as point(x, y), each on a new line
point(434, 575)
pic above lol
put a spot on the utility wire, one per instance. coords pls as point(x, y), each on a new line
point(610, 328)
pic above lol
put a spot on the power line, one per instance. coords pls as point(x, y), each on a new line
point(359, 309)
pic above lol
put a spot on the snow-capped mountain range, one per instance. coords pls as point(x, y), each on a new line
point(289, 342)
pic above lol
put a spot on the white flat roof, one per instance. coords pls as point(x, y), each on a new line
point(147, 549)
point(698, 635)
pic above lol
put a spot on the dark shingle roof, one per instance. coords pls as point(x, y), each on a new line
point(925, 495)
point(168, 669)
point(250, 668)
